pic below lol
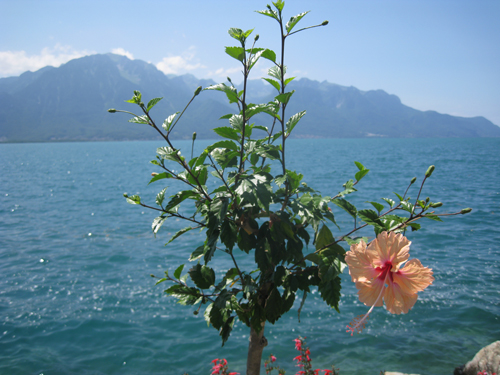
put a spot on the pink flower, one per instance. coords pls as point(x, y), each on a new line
point(273, 358)
point(298, 358)
point(328, 372)
point(379, 264)
point(298, 344)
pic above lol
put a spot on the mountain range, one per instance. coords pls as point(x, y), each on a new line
point(70, 103)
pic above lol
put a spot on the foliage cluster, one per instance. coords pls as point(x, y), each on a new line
point(260, 207)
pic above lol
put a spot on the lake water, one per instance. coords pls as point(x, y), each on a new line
point(76, 296)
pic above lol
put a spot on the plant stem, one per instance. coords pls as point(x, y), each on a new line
point(255, 348)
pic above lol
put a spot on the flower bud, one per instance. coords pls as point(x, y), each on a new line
point(198, 90)
point(429, 171)
point(229, 80)
point(436, 205)
point(413, 180)
point(427, 200)
point(154, 174)
point(125, 195)
point(465, 211)
point(324, 23)
point(194, 136)
point(195, 312)
point(111, 110)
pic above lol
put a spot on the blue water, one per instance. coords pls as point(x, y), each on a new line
point(76, 296)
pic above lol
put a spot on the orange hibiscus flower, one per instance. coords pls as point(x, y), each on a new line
point(379, 276)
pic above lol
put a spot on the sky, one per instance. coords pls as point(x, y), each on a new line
point(441, 55)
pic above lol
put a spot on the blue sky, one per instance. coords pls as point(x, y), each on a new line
point(441, 55)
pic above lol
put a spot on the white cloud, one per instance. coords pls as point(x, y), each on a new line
point(16, 62)
point(121, 51)
point(233, 73)
point(180, 64)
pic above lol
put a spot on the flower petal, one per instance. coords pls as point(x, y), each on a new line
point(397, 301)
point(390, 247)
point(413, 277)
point(360, 263)
point(370, 291)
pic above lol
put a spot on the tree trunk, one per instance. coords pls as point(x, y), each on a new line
point(255, 348)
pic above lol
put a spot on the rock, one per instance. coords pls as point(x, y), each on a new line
point(487, 359)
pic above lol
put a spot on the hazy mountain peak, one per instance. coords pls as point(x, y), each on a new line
point(70, 103)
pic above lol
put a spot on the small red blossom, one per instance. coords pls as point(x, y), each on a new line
point(273, 358)
point(298, 344)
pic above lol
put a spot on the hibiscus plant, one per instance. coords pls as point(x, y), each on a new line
point(265, 211)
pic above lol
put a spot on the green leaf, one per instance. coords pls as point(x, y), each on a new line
point(236, 122)
point(347, 206)
point(269, 13)
point(253, 60)
point(161, 280)
point(202, 276)
point(293, 121)
point(285, 97)
point(360, 174)
point(178, 198)
point(134, 199)
point(294, 20)
point(389, 201)
point(288, 80)
point(178, 271)
point(275, 84)
point(379, 207)
point(324, 238)
point(370, 217)
point(330, 292)
point(313, 257)
point(226, 117)
point(157, 223)
point(210, 245)
point(275, 72)
point(274, 305)
point(152, 103)
point(279, 4)
point(407, 206)
point(225, 158)
point(136, 99)
point(269, 55)
point(237, 53)
point(185, 295)
point(236, 34)
point(229, 234)
point(168, 153)
point(160, 197)
point(230, 91)
point(168, 121)
point(399, 196)
point(218, 209)
point(294, 180)
point(179, 233)
point(223, 144)
point(140, 120)
point(432, 217)
point(359, 165)
point(227, 132)
point(160, 176)
point(348, 188)
point(197, 254)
